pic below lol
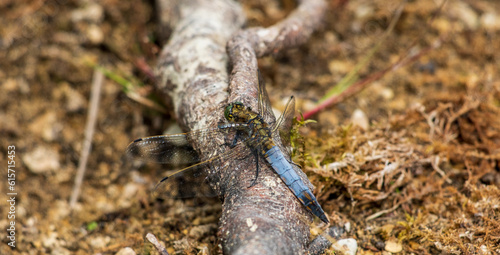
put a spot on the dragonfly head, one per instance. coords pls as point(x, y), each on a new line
point(232, 109)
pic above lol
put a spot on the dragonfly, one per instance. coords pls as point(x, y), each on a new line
point(257, 131)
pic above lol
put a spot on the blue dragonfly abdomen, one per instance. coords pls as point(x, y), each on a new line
point(285, 171)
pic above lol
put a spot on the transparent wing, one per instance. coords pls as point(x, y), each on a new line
point(284, 124)
point(192, 180)
point(265, 108)
point(174, 150)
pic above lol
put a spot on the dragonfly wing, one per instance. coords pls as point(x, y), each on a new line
point(165, 149)
point(265, 108)
point(284, 124)
point(192, 181)
point(175, 150)
point(188, 183)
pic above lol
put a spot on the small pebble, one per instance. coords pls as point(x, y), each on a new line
point(393, 246)
point(60, 251)
point(75, 101)
point(9, 85)
point(359, 119)
point(47, 126)
point(42, 159)
point(99, 242)
point(202, 230)
point(126, 251)
point(339, 66)
point(387, 93)
point(93, 13)
point(347, 246)
point(483, 250)
point(127, 195)
point(50, 241)
point(347, 227)
point(94, 34)
point(490, 21)
point(465, 13)
point(59, 210)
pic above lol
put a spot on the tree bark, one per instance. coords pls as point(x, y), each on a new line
point(266, 218)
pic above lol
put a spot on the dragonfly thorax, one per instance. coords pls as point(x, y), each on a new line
point(236, 112)
point(256, 130)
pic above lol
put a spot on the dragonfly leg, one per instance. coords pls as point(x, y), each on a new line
point(233, 143)
point(235, 140)
point(256, 154)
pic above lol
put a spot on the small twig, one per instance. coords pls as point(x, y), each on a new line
point(159, 247)
point(466, 107)
point(95, 94)
point(382, 212)
point(435, 165)
point(247, 45)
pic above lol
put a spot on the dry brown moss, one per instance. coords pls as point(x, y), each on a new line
point(429, 177)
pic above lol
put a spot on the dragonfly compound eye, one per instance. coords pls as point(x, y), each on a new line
point(231, 109)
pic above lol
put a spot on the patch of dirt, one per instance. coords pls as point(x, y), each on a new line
point(417, 171)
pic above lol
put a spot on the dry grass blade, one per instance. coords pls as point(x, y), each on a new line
point(95, 94)
point(133, 89)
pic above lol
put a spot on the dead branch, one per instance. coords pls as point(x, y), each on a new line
point(247, 45)
point(262, 205)
point(267, 218)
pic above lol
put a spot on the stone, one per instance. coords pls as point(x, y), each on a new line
point(42, 160)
